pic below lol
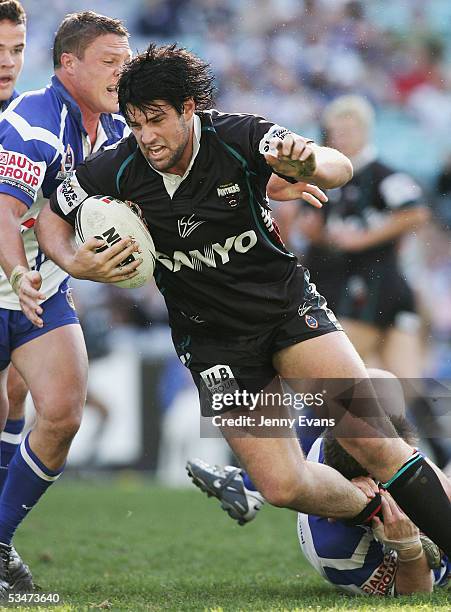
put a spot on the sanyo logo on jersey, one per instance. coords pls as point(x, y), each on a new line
point(212, 255)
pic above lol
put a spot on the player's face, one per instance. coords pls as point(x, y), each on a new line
point(12, 46)
point(164, 136)
point(97, 72)
point(347, 134)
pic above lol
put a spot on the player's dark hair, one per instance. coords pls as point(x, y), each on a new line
point(335, 455)
point(78, 30)
point(168, 73)
point(13, 11)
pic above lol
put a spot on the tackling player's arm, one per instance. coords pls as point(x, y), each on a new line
point(13, 260)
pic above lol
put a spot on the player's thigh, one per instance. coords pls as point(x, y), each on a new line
point(389, 391)
point(364, 336)
point(402, 353)
point(350, 394)
point(17, 393)
point(328, 356)
point(55, 366)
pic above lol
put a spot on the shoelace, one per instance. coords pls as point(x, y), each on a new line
point(227, 479)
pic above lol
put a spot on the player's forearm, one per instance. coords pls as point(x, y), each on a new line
point(12, 252)
point(399, 223)
point(56, 238)
point(333, 169)
point(414, 577)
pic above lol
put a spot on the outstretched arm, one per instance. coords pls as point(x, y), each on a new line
point(306, 162)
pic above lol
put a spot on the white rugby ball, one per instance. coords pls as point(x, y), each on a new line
point(109, 219)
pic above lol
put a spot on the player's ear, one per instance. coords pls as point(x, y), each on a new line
point(189, 106)
point(67, 62)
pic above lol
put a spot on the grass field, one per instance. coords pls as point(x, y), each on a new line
point(129, 545)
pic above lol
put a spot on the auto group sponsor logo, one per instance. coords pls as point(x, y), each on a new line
point(381, 580)
point(18, 170)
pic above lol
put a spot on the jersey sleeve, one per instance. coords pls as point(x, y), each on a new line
point(250, 135)
point(26, 153)
point(92, 177)
point(398, 190)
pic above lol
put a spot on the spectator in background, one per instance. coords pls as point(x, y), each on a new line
point(353, 252)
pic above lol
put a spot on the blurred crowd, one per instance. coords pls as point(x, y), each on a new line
point(286, 59)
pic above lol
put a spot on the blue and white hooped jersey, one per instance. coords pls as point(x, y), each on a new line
point(350, 557)
point(42, 140)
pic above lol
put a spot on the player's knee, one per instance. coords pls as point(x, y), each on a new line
point(64, 428)
point(62, 422)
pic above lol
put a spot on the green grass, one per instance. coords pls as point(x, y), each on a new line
point(136, 547)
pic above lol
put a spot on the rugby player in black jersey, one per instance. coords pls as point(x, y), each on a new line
point(241, 308)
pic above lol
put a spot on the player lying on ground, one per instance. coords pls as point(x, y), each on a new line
point(389, 558)
point(240, 305)
point(44, 135)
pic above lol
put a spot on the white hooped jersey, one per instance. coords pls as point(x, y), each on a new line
point(350, 557)
point(42, 140)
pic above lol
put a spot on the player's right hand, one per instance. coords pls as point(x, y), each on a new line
point(30, 296)
point(366, 485)
point(92, 261)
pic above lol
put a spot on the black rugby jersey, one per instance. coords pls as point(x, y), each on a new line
point(221, 265)
point(374, 192)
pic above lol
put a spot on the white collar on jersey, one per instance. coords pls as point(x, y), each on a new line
point(172, 181)
point(367, 155)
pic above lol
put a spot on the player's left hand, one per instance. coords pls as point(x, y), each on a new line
point(30, 296)
point(397, 532)
point(295, 156)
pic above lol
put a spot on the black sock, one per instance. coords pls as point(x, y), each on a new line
point(418, 491)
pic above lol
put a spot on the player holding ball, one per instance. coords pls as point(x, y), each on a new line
point(239, 303)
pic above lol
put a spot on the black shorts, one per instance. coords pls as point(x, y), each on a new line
point(380, 297)
point(223, 365)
